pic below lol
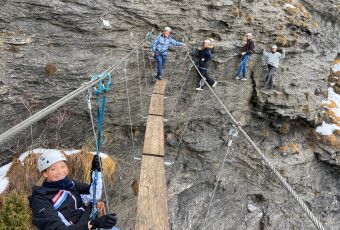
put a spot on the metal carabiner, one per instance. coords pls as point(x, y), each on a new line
point(100, 85)
point(108, 84)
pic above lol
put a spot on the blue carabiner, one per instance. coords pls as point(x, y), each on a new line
point(100, 85)
point(108, 84)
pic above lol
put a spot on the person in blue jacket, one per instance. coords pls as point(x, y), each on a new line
point(59, 203)
point(160, 50)
point(203, 64)
point(246, 54)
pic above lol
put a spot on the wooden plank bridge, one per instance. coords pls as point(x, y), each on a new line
point(152, 206)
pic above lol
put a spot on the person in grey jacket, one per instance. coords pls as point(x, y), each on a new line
point(273, 60)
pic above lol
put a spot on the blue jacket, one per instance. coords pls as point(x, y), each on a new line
point(161, 44)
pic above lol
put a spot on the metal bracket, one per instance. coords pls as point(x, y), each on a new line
point(137, 158)
point(233, 132)
point(168, 163)
point(144, 117)
point(165, 97)
point(166, 120)
point(124, 63)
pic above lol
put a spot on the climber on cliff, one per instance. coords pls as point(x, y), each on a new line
point(273, 63)
point(60, 202)
point(246, 54)
point(203, 64)
point(160, 50)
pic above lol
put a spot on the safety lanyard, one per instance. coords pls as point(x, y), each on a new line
point(100, 118)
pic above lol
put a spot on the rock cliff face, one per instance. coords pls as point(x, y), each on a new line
point(71, 36)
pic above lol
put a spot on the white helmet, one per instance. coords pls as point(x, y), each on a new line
point(274, 47)
point(207, 41)
point(249, 34)
point(167, 28)
point(48, 159)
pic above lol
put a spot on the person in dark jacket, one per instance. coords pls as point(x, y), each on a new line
point(160, 50)
point(203, 64)
point(246, 54)
point(59, 203)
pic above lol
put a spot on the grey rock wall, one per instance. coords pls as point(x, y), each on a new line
point(71, 35)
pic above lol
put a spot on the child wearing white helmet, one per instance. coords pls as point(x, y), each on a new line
point(273, 60)
point(160, 50)
point(203, 64)
point(60, 202)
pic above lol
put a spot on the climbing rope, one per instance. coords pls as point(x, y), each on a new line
point(175, 68)
point(51, 108)
point(100, 119)
point(146, 82)
point(236, 48)
point(232, 133)
point(173, 107)
point(172, 85)
point(88, 98)
point(186, 124)
point(315, 221)
point(128, 99)
point(140, 88)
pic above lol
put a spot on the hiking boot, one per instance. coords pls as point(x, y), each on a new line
point(214, 85)
point(199, 89)
point(154, 80)
point(237, 78)
point(261, 87)
point(243, 79)
point(159, 78)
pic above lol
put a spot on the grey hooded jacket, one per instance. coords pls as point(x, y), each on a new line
point(273, 58)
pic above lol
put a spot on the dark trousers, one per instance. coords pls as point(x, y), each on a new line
point(270, 76)
point(204, 72)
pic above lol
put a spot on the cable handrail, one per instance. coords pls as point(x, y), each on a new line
point(54, 106)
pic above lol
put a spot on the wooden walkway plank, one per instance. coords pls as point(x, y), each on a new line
point(159, 87)
point(156, 105)
point(154, 136)
point(152, 208)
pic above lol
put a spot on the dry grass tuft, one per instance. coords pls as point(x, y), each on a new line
point(135, 186)
point(307, 95)
point(291, 19)
point(239, 2)
point(303, 24)
point(22, 177)
point(282, 40)
point(284, 129)
point(329, 140)
point(292, 11)
point(14, 48)
point(240, 13)
point(315, 24)
point(50, 69)
point(307, 16)
point(283, 27)
point(284, 148)
point(336, 61)
point(282, 172)
point(199, 13)
point(275, 3)
point(295, 41)
point(249, 17)
point(235, 12)
point(294, 146)
point(308, 109)
point(300, 109)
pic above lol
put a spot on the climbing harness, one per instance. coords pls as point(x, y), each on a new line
point(233, 132)
point(100, 118)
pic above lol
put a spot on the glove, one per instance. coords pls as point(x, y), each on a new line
point(95, 163)
point(106, 221)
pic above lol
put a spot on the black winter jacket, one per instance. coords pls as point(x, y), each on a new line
point(55, 209)
point(206, 54)
point(249, 47)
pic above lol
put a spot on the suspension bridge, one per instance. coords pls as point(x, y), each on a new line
point(152, 210)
